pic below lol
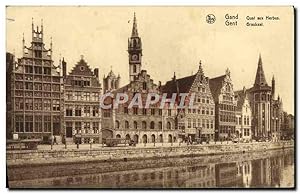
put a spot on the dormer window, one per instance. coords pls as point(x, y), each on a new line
point(81, 68)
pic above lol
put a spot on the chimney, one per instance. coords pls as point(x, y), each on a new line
point(64, 67)
point(96, 72)
point(174, 77)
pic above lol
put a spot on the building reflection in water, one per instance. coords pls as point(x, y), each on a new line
point(264, 172)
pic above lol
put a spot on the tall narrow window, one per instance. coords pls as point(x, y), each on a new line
point(144, 85)
point(144, 125)
point(117, 124)
point(135, 125)
point(134, 68)
point(47, 123)
point(38, 123)
point(95, 127)
point(126, 125)
point(168, 125)
point(152, 125)
point(19, 123)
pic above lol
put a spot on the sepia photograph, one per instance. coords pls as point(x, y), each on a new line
point(150, 97)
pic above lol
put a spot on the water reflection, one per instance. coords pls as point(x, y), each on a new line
point(272, 171)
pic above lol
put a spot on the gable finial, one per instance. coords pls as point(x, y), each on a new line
point(81, 57)
point(32, 25)
point(42, 25)
point(200, 67)
point(227, 71)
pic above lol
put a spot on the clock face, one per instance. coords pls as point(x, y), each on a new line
point(134, 57)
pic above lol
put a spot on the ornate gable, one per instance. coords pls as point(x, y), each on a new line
point(81, 69)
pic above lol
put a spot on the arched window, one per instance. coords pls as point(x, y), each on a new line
point(136, 138)
point(118, 136)
point(160, 138)
point(152, 125)
point(160, 125)
point(144, 138)
point(134, 42)
point(168, 125)
point(117, 124)
point(135, 125)
point(170, 138)
point(153, 138)
point(126, 124)
point(144, 125)
point(134, 68)
point(112, 84)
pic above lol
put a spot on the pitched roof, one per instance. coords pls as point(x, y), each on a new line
point(182, 85)
point(215, 85)
point(240, 97)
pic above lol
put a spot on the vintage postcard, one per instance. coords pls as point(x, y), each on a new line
point(150, 97)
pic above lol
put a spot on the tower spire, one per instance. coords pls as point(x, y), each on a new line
point(135, 52)
point(260, 79)
point(259, 59)
point(273, 87)
point(134, 32)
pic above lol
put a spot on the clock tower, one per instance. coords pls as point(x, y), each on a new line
point(135, 52)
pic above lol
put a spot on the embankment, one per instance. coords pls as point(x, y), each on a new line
point(44, 157)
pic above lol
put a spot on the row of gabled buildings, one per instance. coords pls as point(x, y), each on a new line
point(43, 100)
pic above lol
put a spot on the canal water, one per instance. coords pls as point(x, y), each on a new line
point(268, 169)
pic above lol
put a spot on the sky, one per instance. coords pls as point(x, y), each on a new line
point(174, 39)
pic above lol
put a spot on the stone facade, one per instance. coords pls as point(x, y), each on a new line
point(82, 109)
point(36, 92)
point(266, 110)
point(261, 103)
point(243, 115)
point(151, 125)
point(225, 106)
point(197, 122)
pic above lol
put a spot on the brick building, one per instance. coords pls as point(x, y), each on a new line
point(82, 109)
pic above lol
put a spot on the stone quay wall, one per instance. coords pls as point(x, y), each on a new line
point(40, 157)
